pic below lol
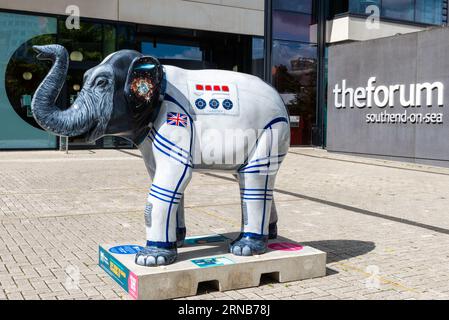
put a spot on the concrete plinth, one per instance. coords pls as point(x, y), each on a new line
point(206, 259)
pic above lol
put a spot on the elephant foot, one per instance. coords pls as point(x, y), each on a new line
point(248, 244)
point(273, 230)
point(157, 254)
point(180, 236)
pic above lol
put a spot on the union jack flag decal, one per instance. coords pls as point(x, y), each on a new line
point(177, 119)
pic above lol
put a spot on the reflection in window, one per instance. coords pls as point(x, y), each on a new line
point(398, 9)
point(172, 51)
point(126, 37)
point(294, 76)
point(84, 44)
point(294, 64)
point(338, 7)
point(22, 74)
point(304, 6)
point(429, 11)
point(291, 26)
point(109, 37)
point(423, 11)
point(257, 57)
point(359, 6)
point(110, 142)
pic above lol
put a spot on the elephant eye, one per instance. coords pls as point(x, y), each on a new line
point(102, 82)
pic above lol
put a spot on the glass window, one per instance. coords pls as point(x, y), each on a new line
point(23, 75)
point(291, 26)
point(359, 6)
point(304, 6)
point(109, 39)
point(126, 37)
point(398, 9)
point(110, 142)
point(429, 11)
point(424, 11)
point(87, 40)
point(294, 65)
point(172, 51)
point(257, 57)
point(20, 75)
point(294, 76)
point(338, 7)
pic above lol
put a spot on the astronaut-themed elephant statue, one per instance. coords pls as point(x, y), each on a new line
point(178, 119)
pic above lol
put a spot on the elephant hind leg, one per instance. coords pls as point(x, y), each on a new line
point(181, 230)
point(256, 179)
point(272, 227)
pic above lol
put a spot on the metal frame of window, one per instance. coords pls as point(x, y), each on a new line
point(319, 132)
point(444, 12)
point(268, 43)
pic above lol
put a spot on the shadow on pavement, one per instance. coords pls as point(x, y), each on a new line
point(350, 208)
point(338, 250)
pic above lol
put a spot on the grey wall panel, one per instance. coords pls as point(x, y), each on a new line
point(433, 63)
point(233, 16)
point(406, 59)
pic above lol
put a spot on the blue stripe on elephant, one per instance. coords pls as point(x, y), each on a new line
point(173, 100)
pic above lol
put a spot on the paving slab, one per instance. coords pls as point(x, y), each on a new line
point(377, 220)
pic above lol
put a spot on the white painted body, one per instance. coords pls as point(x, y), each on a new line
point(258, 106)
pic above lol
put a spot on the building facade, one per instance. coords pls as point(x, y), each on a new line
point(285, 42)
point(388, 97)
point(300, 33)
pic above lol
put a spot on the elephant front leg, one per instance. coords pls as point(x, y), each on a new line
point(161, 220)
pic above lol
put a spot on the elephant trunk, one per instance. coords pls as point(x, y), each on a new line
point(75, 120)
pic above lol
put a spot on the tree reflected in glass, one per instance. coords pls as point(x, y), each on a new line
point(87, 40)
point(23, 75)
point(294, 76)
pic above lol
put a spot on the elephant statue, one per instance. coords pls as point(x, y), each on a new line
point(181, 121)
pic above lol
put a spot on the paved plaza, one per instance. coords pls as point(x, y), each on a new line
point(383, 224)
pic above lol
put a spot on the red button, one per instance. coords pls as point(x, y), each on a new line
point(216, 88)
point(199, 87)
point(225, 88)
point(208, 88)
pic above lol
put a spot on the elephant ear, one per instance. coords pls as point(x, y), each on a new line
point(144, 81)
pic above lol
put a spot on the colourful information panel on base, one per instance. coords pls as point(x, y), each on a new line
point(212, 262)
point(125, 278)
